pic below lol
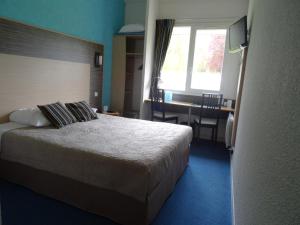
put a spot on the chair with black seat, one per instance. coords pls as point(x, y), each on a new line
point(158, 107)
point(209, 114)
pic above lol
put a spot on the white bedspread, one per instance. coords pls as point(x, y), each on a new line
point(125, 155)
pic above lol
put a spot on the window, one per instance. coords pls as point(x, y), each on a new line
point(208, 59)
point(173, 73)
point(196, 65)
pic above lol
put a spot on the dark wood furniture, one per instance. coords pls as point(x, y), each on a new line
point(111, 113)
point(209, 114)
point(23, 40)
point(158, 107)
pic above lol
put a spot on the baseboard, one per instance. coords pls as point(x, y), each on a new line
point(232, 189)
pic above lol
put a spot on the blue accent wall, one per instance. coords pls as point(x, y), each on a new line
point(93, 20)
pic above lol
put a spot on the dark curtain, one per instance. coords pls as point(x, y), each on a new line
point(163, 34)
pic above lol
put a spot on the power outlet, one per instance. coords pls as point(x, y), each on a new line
point(96, 94)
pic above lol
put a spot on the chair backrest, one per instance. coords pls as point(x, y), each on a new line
point(211, 105)
point(158, 102)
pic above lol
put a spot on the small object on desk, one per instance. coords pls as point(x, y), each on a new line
point(233, 104)
point(105, 108)
point(168, 96)
point(225, 102)
point(229, 103)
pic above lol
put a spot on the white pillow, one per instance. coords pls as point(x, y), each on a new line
point(95, 110)
point(32, 117)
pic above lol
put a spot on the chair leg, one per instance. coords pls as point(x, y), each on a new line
point(198, 133)
point(216, 135)
point(193, 127)
point(213, 134)
point(195, 131)
point(176, 120)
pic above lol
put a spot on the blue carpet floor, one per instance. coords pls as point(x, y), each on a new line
point(201, 197)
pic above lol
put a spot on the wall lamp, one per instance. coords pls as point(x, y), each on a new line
point(98, 59)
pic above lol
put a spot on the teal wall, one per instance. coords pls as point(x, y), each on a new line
point(94, 20)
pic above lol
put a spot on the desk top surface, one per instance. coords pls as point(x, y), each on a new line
point(190, 104)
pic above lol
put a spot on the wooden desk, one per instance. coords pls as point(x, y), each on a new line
point(191, 105)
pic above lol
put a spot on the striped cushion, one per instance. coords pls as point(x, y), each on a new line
point(57, 114)
point(82, 111)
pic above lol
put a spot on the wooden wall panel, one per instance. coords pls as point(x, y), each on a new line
point(23, 40)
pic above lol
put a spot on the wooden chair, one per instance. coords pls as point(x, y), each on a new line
point(209, 114)
point(158, 107)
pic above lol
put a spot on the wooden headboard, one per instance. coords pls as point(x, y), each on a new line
point(39, 67)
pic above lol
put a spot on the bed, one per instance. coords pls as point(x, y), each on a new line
point(120, 168)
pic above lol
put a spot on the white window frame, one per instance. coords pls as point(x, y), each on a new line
point(208, 25)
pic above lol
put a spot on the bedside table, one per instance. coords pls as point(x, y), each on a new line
point(111, 113)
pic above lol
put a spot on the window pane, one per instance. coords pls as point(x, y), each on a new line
point(208, 59)
point(174, 70)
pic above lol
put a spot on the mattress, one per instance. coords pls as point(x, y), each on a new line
point(128, 156)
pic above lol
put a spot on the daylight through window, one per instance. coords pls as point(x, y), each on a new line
point(196, 65)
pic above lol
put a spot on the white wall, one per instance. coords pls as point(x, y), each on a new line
point(210, 13)
point(201, 9)
point(230, 73)
point(151, 15)
point(135, 11)
point(266, 161)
